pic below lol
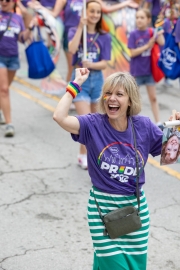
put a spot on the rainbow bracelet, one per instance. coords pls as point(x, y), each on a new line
point(73, 88)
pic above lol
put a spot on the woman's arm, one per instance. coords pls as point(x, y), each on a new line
point(74, 43)
point(22, 7)
point(67, 122)
point(24, 35)
point(111, 8)
point(59, 5)
point(95, 65)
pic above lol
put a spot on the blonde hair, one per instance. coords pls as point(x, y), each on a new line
point(125, 80)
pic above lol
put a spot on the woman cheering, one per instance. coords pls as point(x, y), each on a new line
point(112, 158)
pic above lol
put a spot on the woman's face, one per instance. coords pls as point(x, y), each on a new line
point(7, 6)
point(93, 13)
point(116, 103)
point(172, 147)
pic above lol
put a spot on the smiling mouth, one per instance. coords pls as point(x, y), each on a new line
point(113, 108)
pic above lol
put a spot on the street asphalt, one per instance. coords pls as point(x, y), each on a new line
point(44, 194)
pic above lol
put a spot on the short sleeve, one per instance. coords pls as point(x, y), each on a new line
point(155, 139)
point(86, 121)
point(106, 50)
point(132, 41)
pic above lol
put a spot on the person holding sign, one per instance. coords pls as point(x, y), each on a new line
point(118, 143)
point(98, 53)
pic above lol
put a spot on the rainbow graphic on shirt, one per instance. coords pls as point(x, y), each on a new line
point(120, 162)
point(121, 169)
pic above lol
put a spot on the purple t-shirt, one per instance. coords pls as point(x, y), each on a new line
point(167, 26)
point(177, 31)
point(98, 47)
point(111, 154)
point(8, 43)
point(156, 6)
point(48, 3)
point(140, 65)
point(72, 13)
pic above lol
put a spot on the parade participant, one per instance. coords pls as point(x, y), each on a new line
point(140, 44)
point(155, 7)
point(71, 13)
point(99, 50)
point(9, 61)
point(110, 144)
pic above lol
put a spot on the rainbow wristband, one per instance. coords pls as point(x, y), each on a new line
point(73, 88)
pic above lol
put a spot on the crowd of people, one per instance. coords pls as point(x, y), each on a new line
point(108, 111)
point(69, 12)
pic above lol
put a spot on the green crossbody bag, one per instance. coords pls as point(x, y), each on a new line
point(126, 219)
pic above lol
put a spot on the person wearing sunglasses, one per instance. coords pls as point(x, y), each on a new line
point(12, 30)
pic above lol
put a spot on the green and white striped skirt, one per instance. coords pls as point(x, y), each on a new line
point(128, 252)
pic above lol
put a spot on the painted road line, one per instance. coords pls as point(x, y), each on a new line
point(35, 88)
point(36, 100)
point(151, 161)
point(164, 168)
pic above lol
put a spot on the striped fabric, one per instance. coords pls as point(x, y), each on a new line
point(128, 252)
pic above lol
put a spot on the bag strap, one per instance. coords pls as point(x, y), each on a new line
point(8, 22)
point(137, 175)
point(94, 39)
point(137, 164)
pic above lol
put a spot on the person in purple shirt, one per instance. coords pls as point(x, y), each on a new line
point(155, 9)
point(98, 53)
point(70, 11)
point(140, 44)
point(9, 61)
point(108, 137)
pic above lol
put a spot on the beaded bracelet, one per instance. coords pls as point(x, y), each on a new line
point(73, 88)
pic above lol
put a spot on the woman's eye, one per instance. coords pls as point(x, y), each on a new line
point(108, 93)
point(119, 94)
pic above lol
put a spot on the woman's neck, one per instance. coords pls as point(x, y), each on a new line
point(91, 28)
point(119, 124)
